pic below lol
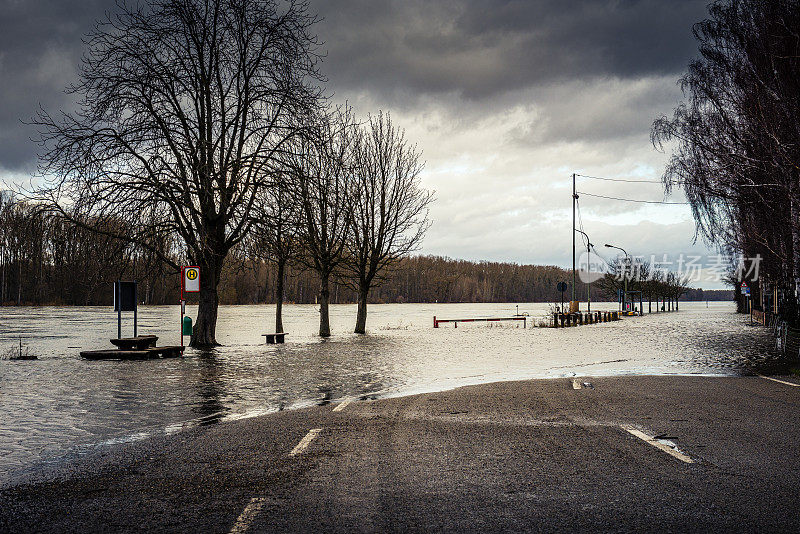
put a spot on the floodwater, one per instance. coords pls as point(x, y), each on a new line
point(60, 404)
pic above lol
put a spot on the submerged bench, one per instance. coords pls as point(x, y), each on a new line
point(148, 353)
point(275, 338)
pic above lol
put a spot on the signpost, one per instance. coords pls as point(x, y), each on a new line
point(190, 283)
point(562, 286)
point(746, 293)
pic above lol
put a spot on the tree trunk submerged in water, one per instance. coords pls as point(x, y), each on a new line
point(205, 328)
point(324, 300)
point(361, 318)
point(279, 297)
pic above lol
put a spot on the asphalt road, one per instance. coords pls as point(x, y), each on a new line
point(510, 456)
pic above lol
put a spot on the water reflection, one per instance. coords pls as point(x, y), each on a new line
point(210, 388)
point(60, 401)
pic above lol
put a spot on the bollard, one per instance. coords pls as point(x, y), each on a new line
point(186, 327)
point(555, 319)
point(562, 320)
point(580, 319)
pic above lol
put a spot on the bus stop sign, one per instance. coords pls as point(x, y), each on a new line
point(191, 279)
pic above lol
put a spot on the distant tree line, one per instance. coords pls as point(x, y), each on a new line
point(45, 259)
point(736, 144)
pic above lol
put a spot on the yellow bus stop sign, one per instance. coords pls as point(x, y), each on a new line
point(191, 279)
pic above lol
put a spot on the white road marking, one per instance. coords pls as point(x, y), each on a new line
point(658, 444)
point(300, 447)
point(576, 384)
point(780, 381)
point(342, 405)
point(247, 516)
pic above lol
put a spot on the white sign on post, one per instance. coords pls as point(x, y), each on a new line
point(191, 279)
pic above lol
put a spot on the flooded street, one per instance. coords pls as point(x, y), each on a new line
point(59, 404)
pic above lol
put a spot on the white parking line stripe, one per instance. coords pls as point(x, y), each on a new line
point(247, 516)
point(342, 405)
point(780, 381)
point(657, 444)
point(300, 447)
point(576, 384)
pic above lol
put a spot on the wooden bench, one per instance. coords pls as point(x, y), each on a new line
point(275, 338)
point(135, 343)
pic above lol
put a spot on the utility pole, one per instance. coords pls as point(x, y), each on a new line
point(588, 252)
point(574, 200)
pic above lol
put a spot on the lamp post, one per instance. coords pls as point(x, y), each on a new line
point(588, 289)
point(627, 262)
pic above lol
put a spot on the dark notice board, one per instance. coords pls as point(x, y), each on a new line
point(124, 296)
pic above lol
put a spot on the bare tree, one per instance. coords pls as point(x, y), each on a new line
point(184, 105)
point(390, 210)
point(276, 235)
point(321, 165)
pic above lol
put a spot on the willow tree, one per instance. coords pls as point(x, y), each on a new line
point(389, 210)
point(182, 108)
point(735, 139)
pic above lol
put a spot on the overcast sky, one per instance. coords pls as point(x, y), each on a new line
point(506, 99)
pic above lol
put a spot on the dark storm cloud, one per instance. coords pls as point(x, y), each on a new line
point(482, 48)
point(40, 46)
point(392, 49)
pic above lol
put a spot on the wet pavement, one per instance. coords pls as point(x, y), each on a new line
point(664, 453)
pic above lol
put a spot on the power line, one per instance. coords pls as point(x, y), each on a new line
point(634, 200)
point(620, 180)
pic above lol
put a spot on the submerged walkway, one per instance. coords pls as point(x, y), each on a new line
point(655, 453)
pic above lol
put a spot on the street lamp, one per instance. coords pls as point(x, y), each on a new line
point(627, 262)
point(588, 291)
